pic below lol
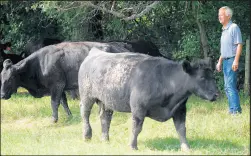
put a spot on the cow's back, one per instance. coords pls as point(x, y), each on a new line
point(111, 66)
point(110, 77)
point(60, 61)
point(63, 61)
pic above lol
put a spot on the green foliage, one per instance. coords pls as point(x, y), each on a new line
point(171, 25)
point(23, 23)
point(189, 47)
point(115, 27)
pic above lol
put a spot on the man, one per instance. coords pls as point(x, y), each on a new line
point(231, 47)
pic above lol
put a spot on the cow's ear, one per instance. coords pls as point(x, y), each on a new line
point(7, 63)
point(187, 67)
point(21, 66)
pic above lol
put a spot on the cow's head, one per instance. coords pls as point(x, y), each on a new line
point(9, 79)
point(201, 79)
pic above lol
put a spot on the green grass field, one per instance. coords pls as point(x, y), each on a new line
point(26, 129)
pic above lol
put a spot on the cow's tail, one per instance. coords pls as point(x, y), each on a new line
point(101, 109)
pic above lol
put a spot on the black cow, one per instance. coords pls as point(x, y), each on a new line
point(35, 45)
point(146, 86)
point(50, 70)
point(140, 46)
point(3, 56)
point(29, 48)
point(13, 57)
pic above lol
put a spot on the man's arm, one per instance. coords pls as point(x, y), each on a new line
point(218, 66)
point(235, 65)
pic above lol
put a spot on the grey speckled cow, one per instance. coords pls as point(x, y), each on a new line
point(141, 84)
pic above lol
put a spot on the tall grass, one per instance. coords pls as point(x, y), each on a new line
point(26, 129)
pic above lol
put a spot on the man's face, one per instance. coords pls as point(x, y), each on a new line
point(223, 19)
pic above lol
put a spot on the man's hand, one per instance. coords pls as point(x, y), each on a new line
point(235, 65)
point(218, 67)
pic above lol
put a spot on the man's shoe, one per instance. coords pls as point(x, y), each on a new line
point(235, 113)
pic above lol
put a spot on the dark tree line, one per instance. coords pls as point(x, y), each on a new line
point(180, 29)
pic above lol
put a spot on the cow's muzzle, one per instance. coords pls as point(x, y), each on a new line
point(214, 96)
point(5, 96)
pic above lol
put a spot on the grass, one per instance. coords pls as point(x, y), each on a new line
point(26, 129)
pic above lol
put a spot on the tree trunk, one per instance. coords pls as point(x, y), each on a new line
point(203, 38)
point(247, 68)
point(95, 24)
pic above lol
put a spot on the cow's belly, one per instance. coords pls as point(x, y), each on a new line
point(71, 80)
point(115, 101)
point(118, 106)
point(40, 92)
point(159, 113)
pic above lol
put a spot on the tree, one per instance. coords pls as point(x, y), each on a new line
point(132, 10)
point(22, 23)
point(247, 68)
point(180, 29)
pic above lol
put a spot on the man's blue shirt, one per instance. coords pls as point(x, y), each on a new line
point(230, 37)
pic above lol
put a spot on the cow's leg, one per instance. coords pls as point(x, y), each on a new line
point(138, 116)
point(85, 110)
point(55, 101)
point(56, 95)
point(137, 123)
point(179, 119)
point(105, 118)
point(65, 105)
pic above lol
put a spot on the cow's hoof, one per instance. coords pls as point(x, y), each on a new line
point(87, 138)
point(69, 117)
point(105, 138)
point(54, 120)
point(87, 133)
point(134, 148)
point(185, 148)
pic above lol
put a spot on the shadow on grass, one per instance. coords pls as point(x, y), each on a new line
point(75, 119)
point(173, 144)
point(27, 94)
point(23, 94)
point(65, 121)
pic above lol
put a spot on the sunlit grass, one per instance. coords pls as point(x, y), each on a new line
point(26, 129)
